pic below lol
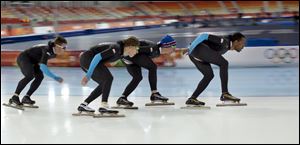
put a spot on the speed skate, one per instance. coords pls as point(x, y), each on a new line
point(30, 106)
point(19, 107)
point(158, 100)
point(83, 113)
point(229, 100)
point(103, 112)
point(231, 103)
point(123, 103)
point(195, 107)
point(125, 107)
point(159, 103)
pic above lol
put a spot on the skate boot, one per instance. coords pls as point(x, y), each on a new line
point(27, 102)
point(84, 110)
point(194, 102)
point(157, 99)
point(122, 101)
point(228, 97)
point(229, 100)
point(14, 102)
point(104, 111)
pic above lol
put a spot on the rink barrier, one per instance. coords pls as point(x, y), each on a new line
point(248, 57)
point(256, 57)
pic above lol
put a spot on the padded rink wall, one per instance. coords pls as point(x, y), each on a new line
point(256, 57)
point(249, 57)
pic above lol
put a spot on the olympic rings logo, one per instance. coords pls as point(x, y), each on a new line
point(283, 55)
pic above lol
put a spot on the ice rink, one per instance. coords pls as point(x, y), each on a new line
point(272, 114)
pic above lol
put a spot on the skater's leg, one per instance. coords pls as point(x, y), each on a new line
point(146, 62)
point(207, 71)
point(94, 95)
point(22, 84)
point(104, 78)
point(27, 70)
point(136, 73)
point(210, 56)
point(38, 74)
point(85, 60)
point(223, 64)
point(107, 79)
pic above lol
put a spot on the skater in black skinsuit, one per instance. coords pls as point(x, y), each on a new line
point(92, 62)
point(208, 49)
point(33, 64)
point(143, 59)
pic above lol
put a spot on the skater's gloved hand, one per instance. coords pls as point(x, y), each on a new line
point(84, 81)
point(59, 79)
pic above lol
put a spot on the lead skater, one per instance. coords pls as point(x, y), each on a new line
point(208, 49)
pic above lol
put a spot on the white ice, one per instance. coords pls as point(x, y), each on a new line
point(264, 120)
point(272, 114)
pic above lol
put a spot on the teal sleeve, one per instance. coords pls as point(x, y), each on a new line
point(46, 71)
point(197, 41)
point(97, 58)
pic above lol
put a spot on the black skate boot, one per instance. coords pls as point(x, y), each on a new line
point(228, 97)
point(122, 101)
point(15, 100)
point(194, 102)
point(27, 100)
point(229, 100)
point(157, 97)
point(104, 112)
